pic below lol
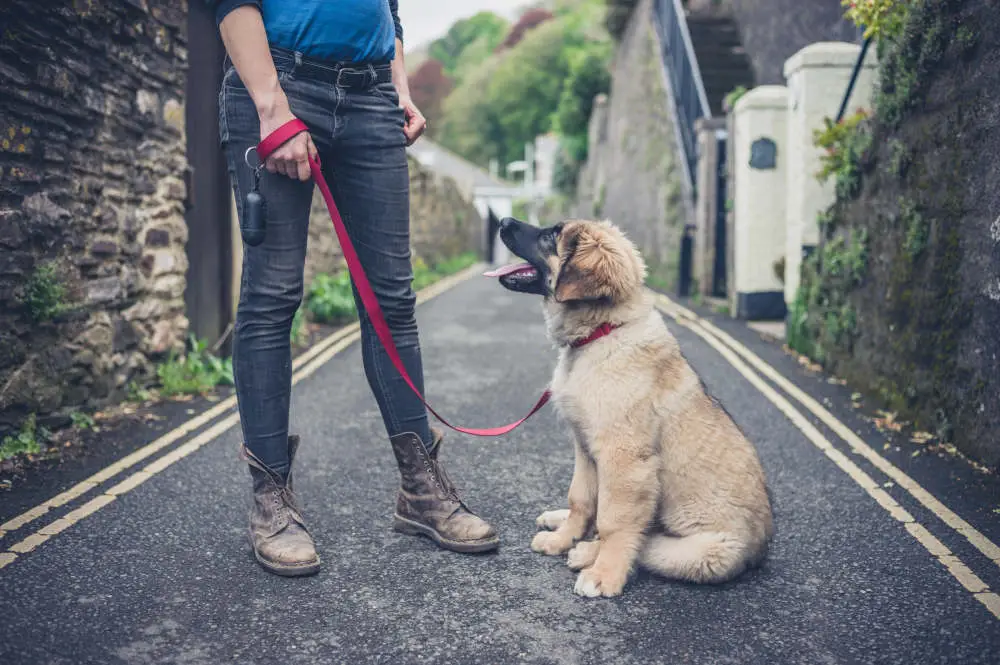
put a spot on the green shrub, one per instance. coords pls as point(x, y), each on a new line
point(331, 299)
point(25, 442)
point(81, 420)
point(729, 101)
point(44, 294)
point(881, 18)
point(456, 264)
point(198, 371)
point(846, 144)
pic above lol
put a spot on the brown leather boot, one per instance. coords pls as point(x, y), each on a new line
point(278, 534)
point(428, 503)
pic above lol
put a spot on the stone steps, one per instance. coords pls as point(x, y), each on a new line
point(721, 57)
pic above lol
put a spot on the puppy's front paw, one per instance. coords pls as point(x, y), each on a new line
point(583, 555)
point(594, 582)
point(551, 543)
point(552, 519)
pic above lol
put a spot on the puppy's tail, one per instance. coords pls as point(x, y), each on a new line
point(705, 558)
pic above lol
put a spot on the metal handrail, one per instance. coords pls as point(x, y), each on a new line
point(684, 75)
point(854, 78)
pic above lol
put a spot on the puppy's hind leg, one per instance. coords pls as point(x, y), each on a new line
point(705, 558)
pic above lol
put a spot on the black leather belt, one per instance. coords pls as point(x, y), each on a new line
point(343, 74)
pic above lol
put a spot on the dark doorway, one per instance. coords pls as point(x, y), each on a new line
point(209, 249)
point(492, 230)
point(719, 277)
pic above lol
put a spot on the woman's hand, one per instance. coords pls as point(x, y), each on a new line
point(292, 158)
point(415, 121)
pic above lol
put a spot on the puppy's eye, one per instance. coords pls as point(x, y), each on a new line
point(557, 229)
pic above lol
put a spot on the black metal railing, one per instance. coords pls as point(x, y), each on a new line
point(865, 45)
point(682, 70)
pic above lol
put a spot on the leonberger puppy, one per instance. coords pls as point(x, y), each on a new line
point(662, 472)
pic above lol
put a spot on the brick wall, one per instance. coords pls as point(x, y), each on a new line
point(91, 188)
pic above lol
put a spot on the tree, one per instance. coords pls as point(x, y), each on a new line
point(469, 40)
point(470, 126)
point(547, 81)
point(429, 86)
point(588, 77)
point(529, 19)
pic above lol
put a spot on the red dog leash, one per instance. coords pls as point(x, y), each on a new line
point(264, 150)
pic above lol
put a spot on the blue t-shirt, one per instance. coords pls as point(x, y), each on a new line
point(340, 30)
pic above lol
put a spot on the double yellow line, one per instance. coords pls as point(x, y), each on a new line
point(738, 355)
point(302, 367)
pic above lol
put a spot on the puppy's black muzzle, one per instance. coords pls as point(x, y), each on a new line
point(533, 244)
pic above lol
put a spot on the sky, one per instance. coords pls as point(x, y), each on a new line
point(425, 20)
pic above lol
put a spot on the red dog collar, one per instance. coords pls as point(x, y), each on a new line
point(599, 332)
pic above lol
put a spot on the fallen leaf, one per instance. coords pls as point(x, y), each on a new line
point(837, 382)
point(190, 412)
point(915, 453)
point(921, 437)
point(888, 483)
point(887, 421)
point(152, 416)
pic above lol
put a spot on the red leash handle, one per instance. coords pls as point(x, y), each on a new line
point(264, 150)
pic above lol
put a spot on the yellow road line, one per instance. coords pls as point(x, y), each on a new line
point(306, 365)
point(979, 589)
point(975, 537)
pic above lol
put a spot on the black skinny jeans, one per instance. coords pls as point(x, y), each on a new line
point(357, 127)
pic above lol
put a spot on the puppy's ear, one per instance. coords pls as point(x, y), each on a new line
point(598, 265)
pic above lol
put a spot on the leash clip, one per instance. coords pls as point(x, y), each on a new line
point(246, 158)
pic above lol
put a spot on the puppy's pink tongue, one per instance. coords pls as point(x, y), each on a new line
point(508, 270)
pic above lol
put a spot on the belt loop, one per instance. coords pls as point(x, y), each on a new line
point(297, 63)
point(374, 76)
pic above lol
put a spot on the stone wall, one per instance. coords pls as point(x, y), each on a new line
point(907, 303)
point(633, 172)
point(443, 223)
point(92, 229)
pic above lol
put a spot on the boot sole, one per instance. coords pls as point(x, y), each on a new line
point(300, 570)
point(410, 528)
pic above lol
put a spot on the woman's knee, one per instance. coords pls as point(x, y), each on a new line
point(398, 303)
point(270, 301)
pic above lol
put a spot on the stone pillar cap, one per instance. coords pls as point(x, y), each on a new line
point(828, 54)
point(763, 97)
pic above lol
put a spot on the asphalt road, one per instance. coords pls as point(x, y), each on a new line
point(163, 574)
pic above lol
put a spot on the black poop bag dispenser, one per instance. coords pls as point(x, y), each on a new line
point(253, 223)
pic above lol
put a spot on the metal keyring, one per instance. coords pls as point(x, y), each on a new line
point(246, 158)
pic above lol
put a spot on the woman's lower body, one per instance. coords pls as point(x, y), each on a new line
point(357, 126)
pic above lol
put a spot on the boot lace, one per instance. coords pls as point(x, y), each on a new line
point(446, 484)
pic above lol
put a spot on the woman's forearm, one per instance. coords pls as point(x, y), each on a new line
point(399, 78)
point(246, 42)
